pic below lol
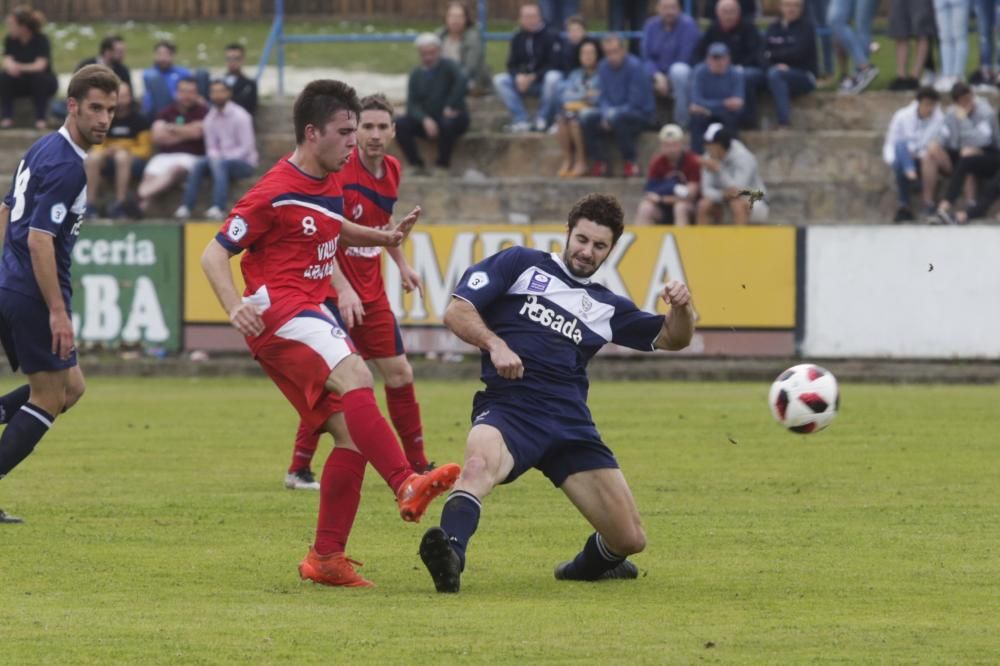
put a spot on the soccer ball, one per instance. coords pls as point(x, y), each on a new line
point(804, 398)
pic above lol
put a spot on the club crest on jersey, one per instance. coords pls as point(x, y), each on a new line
point(358, 211)
point(237, 228)
point(58, 213)
point(549, 318)
point(539, 282)
point(586, 304)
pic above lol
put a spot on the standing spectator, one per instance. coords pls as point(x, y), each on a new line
point(461, 43)
point(27, 66)
point(856, 43)
point(628, 15)
point(910, 19)
point(986, 11)
point(971, 131)
point(111, 54)
point(435, 104)
point(581, 91)
point(730, 180)
point(746, 50)
point(953, 33)
point(532, 71)
point(816, 11)
point(244, 88)
point(160, 80)
point(673, 184)
point(122, 157)
point(910, 133)
point(717, 95)
point(625, 107)
point(230, 152)
point(179, 138)
point(790, 53)
point(668, 43)
point(558, 12)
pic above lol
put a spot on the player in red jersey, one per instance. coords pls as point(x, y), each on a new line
point(370, 181)
point(289, 224)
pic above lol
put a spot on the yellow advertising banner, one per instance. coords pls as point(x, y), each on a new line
point(741, 277)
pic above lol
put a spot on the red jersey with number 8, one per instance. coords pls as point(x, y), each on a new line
point(287, 225)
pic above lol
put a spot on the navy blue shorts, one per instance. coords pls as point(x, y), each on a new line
point(26, 336)
point(555, 444)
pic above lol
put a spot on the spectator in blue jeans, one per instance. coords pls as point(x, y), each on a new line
point(790, 53)
point(986, 11)
point(230, 152)
point(910, 132)
point(669, 39)
point(718, 94)
point(532, 71)
point(816, 11)
point(855, 42)
point(625, 108)
point(555, 12)
point(953, 33)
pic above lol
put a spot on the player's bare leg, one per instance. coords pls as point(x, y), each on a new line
point(487, 464)
point(340, 495)
point(352, 381)
point(605, 500)
point(404, 410)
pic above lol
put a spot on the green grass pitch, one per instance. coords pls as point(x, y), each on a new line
point(159, 532)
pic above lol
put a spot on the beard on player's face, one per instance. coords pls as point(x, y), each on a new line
point(581, 263)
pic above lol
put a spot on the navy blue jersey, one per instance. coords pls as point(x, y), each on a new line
point(555, 322)
point(49, 194)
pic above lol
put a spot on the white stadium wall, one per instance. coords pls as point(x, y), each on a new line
point(901, 292)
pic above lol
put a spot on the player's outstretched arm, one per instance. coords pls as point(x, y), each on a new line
point(464, 321)
point(42, 247)
point(245, 317)
point(678, 327)
point(360, 236)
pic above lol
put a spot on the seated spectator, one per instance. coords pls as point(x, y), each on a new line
point(532, 71)
point(435, 105)
point(856, 42)
point(230, 152)
point(910, 132)
point(179, 138)
point(748, 9)
point(244, 88)
point(160, 80)
point(910, 19)
point(625, 108)
point(122, 157)
point(790, 56)
point(673, 184)
point(971, 137)
point(730, 180)
point(668, 43)
point(580, 92)
point(27, 66)
point(112, 55)
point(576, 33)
point(717, 95)
point(746, 50)
point(462, 44)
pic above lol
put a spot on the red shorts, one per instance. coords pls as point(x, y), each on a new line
point(378, 336)
point(299, 358)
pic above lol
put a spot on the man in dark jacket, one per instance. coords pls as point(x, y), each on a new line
point(244, 88)
point(435, 104)
point(790, 52)
point(112, 54)
point(532, 70)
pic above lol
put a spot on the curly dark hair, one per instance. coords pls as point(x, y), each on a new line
point(319, 102)
point(602, 209)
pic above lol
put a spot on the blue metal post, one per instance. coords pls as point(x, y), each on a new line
point(482, 22)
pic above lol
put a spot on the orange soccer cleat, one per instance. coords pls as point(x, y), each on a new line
point(418, 491)
point(335, 569)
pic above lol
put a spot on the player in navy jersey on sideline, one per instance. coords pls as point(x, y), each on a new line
point(42, 214)
point(539, 319)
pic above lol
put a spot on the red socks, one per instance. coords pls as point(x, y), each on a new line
point(306, 441)
point(339, 496)
point(374, 438)
point(404, 410)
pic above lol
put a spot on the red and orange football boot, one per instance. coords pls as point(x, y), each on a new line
point(335, 569)
point(418, 491)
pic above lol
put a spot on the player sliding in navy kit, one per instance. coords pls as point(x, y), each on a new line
point(539, 319)
point(42, 215)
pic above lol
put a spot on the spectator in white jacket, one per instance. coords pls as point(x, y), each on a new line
point(730, 180)
point(912, 128)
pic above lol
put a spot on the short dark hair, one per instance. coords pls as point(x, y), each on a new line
point(960, 90)
point(612, 37)
point(108, 43)
point(578, 20)
point(187, 79)
point(235, 46)
point(218, 81)
point(602, 209)
point(166, 44)
point(927, 92)
point(90, 77)
point(321, 100)
point(723, 137)
point(32, 19)
point(377, 102)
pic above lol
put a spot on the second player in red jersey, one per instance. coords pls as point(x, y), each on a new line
point(370, 184)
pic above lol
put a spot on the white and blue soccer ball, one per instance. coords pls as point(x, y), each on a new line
point(804, 398)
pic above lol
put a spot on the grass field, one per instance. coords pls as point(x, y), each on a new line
point(159, 533)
